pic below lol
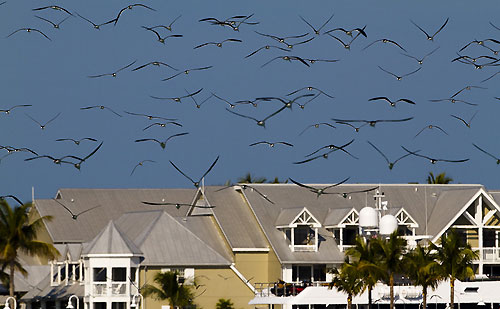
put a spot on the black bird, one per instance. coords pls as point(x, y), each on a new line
point(202, 102)
point(169, 27)
point(290, 45)
point(96, 26)
point(453, 100)
point(356, 129)
point(12, 196)
point(262, 122)
point(495, 74)
point(151, 117)
point(73, 215)
point(218, 44)
point(58, 161)
point(187, 72)
point(318, 191)
point(30, 30)
point(349, 32)
point(469, 59)
point(373, 122)
point(489, 154)
point(129, 7)
point(313, 61)
point(393, 103)
point(287, 103)
point(335, 148)
point(420, 60)
point(271, 144)
point(433, 160)
point(7, 111)
point(498, 28)
point(385, 41)
point(42, 126)
point(162, 143)
point(389, 163)
point(177, 205)
point(311, 88)
point(267, 47)
point(155, 63)
point(282, 39)
point(11, 149)
point(430, 126)
point(114, 73)
point(467, 124)
point(397, 76)
point(286, 58)
point(346, 194)
point(162, 124)
point(244, 186)
point(255, 102)
point(317, 31)
point(479, 42)
point(76, 141)
point(196, 183)
point(178, 99)
point(160, 38)
point(79, 164)
point(54, 7)
point(317, 125)
point(431, 37)
point(100, 107)
point(467, 88)
point(230, 104)
point(56, 26)
point(141, 164)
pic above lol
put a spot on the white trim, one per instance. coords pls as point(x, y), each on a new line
point(110, 255)
point(342, 224)
point(469, 217)
point(490, 214)
point(316, 224)
point(413, 224)
point(240, 275)
point(250, 249)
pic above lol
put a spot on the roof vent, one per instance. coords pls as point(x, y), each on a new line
point(416, 189)
point(72, 200)
point(434, 194)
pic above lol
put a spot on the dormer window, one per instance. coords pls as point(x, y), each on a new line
point(300, 228)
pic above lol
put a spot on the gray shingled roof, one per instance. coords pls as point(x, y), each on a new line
point(113, 203)
point(287, 215)
point(47, 292)
point(335, 215)
point(111, 240)
point(163, 240)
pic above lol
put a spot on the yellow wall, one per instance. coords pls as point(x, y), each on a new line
point(473, 238)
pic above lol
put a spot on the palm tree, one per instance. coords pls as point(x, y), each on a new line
point(390, 251)
point(422, 269)
point(169, 289)
point(363, 252)
point(248, 178)
point(224, 304)
point(455, 260)
point(18, 234)
point(439, 179)
point(348, 280)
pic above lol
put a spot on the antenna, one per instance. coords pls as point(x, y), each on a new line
point(32, 194)
point(426, 218)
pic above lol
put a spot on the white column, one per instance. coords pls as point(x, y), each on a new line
point(66, 266)
point(293, 239)
point(58, 273)
point(341, 239)
point(480, 233)
point(316, 239)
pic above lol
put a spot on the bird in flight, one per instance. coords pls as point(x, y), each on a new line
point(30, 30)
point(311, 88)
point(420, 60)
point(389, 163)
point(53, 7)
point(155, 63)
point(372, 123)
point(347, 194)
point(431, 37)
point(187, 71)
point(267, 47)
point(467, 123)
point(162, 124)
point(160, 38)
point(58, 161)
point(385, 41)
point(479, 42)
point(286, 58)
point(244, 186)
point(114, 73)
point(96, 26)
point(392, 103)
point(356, 129)
point(453, 100)
point(74, 216)
point(467, 88)
point(76, 141)
point(218, 44)
point(178, 99)
point(434, 160)
point(196, 183)
point(79, 164)
point(162, 143)
point(317, 31)
point(7, 111)
point(129, 7)
point(349, 32)
point(399, 77)
point(102, 107)
point(262, 122)
point(335, 148)
point(56, 26)
point(177, 205)
point(430, 126)
point(318, 191)
point(489, 154)
point(317, 125)
point(11, 196)
point(42, 126)
point(140, 164)
point(271, 144)
point(150, 117)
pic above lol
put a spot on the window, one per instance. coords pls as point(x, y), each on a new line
point(118, 305)
point(489, 238)
point(100, 305)
point(319, 272)
point(119, 274)
point(50, 304)
point(100, 274)
point(303, 235)
point(349, 235)
point(133, 270)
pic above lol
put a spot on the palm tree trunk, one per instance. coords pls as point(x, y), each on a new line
point(391, 289)
point(424, 297)
point(452, 293)
point(349, 301)
point(370, 297)
point(11, 278)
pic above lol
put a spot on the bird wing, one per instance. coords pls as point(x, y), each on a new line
point(380, 152)
point(181, 172)
point(69, 210)
point(303, 185)
point(87, 210)
point(420, 28)
point(93, 152)
point(210, 168)
point(484, 151)
point(176, 135)
point(334, 185)
point(128, 65)
point(241, 115)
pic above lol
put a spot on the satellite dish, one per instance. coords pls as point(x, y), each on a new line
point(368, 217)
point(388, 224)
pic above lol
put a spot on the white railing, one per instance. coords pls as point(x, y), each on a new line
point(100, 289)
point(491, 254)
point(301, 248)
point(118, 288)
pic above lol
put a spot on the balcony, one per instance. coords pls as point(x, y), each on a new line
point(282, 288)
point(100, 289)
point(491, 255)
point(116, 289)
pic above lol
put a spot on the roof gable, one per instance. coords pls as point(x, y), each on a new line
point(111, 241)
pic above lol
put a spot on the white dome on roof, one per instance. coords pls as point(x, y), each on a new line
point(388, 224)
point(368, 217)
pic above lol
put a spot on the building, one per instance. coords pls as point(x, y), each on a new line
point(255, 240)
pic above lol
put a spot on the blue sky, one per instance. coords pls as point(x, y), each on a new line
point(53, 77)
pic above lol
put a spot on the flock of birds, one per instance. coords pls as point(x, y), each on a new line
point(276, 50)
